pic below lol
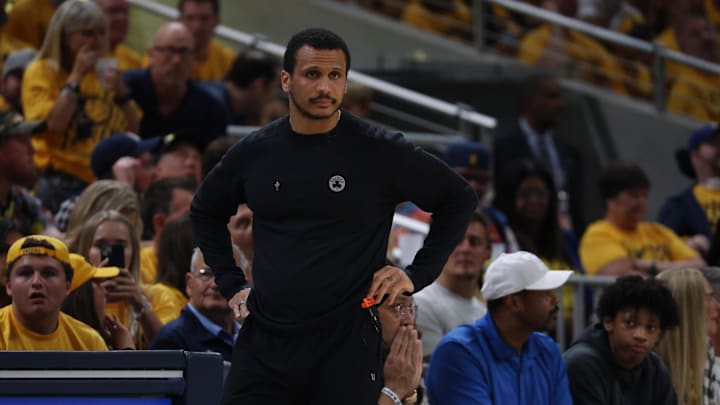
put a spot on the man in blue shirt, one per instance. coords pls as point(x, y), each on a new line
point(501, 358)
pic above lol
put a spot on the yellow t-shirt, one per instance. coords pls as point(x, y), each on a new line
point(70, 334)
point(28, 21)
point(453, 22)
point(148, 265)
point(216, 65)
point(710, 202)
point(127, 58)
point(167, 302)
point(596, 64)
point(96, 118)
point(603, 243)
point(695, 94)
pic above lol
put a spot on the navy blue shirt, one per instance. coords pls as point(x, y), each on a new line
point(199, 112)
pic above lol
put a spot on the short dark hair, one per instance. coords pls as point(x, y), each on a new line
point(31, 242)
point(215, 151)
point(249, 65)
point(316, 38)
point(620, 176)
point(638, 292)
point(214, 3)
point(530, 85)
point(157, 199)
point(483, 220)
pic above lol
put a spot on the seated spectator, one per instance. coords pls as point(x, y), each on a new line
point(450, 17)
point(251, 82)
point(451, 300)
point(170, 101)
point(481, 363)
point(402, 351)
point(81, 108)
point(117, 14)
point(86, 303)
point(125, 295)
point(686, 350)
point(206, 323)
point(39, 274)
point(18, 174)
point(692, 214)
point(8, 235)
point(472, 161)
point(126, 158)
point(612, 362)
point(694, 91)
point(676, 11)
point(13, 70)
point(174, 253)
point(572, 52)
point(274, 109)
point(527, 195)
point(622, 242)
point(166, 200)
point(101, 196)
point(211, 60)
point(28, 21)
point(179, 156)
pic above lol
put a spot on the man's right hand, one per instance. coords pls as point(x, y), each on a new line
point(238, 304)
point(403, 366)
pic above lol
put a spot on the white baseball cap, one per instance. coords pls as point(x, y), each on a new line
point(514, 272)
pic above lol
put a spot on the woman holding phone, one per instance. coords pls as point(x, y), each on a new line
point(108, 238)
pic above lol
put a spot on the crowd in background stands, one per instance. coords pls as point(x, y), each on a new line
point(688, 26)
point(113, 145)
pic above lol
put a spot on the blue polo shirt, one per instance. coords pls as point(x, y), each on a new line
point(473, 365)
point(199, 112)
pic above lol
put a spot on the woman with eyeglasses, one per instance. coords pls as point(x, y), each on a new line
point(79, 93)
point(526, 194)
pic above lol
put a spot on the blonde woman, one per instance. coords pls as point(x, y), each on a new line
point(685, 348)
point(125, 295)
point(100, 196)
point(81, 106)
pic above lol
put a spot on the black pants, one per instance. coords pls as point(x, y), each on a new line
point(338, 365)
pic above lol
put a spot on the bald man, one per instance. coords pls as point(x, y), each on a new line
point(170, 100)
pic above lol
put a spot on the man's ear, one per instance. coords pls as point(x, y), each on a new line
point(187, 283)
point(514, 302)
point(608, 324)
point(285, 80)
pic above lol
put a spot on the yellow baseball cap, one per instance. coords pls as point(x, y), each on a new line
point(85, 271)
point(52, 247)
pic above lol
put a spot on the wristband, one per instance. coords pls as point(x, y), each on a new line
point(145, 307)
point(392, 395)
point(74, 87)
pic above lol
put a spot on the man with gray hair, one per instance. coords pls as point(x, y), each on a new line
point(206, 323)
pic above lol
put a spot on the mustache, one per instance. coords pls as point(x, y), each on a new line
point(321, 97)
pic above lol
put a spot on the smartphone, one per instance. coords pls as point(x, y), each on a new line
point(115, 254)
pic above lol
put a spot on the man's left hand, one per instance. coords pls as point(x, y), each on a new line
point(392, 281)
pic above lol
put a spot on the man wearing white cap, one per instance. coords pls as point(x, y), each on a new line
point(501, 358)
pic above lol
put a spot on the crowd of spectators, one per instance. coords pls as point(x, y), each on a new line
point(97, 249)
point(687, 26)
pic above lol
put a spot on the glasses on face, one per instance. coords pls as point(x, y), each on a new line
point(533, 193)
point(403, 310)
point(182, 51)
point(205, 274)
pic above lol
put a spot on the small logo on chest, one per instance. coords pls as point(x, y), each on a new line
point(337, 183)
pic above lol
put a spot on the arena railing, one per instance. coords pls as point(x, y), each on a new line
point(468, 121)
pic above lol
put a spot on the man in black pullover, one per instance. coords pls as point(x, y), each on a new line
point(323, 186)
